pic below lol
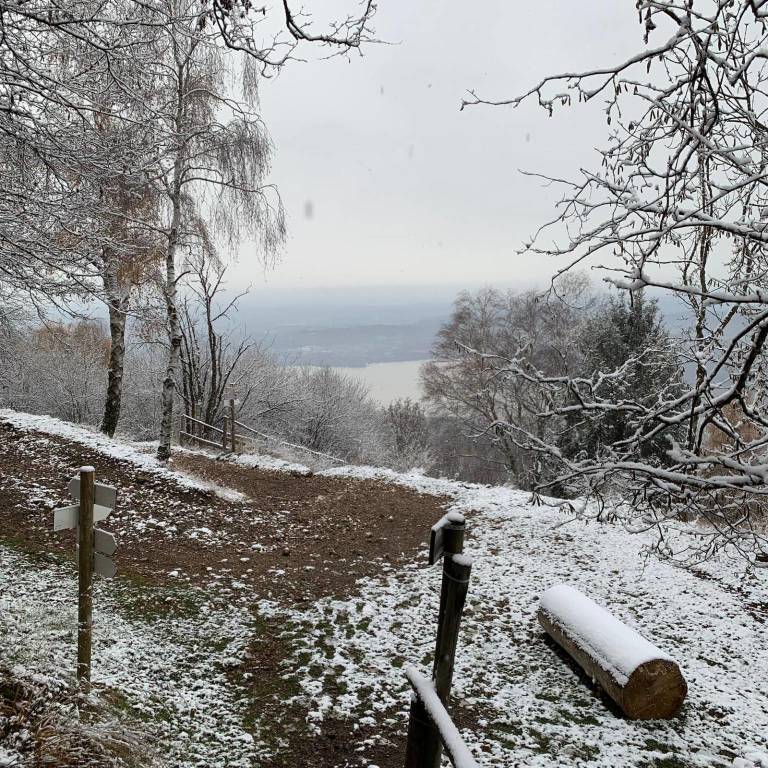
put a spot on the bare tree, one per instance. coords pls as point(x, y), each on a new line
point(468, 381)
point(64, 370)
point(679, 204)
point(407, 425)
point(210, 359)
point(212, 165)
point(102, 98)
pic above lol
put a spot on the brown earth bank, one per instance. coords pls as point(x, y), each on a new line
point(290, 538)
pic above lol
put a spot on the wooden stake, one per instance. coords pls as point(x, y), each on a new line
point(456, 570)
point(232, 417)
point(453, 543)
point(421, 730)
point(85, 578)
point(424, 747)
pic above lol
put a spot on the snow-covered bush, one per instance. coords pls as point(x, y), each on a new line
point(59, 369)
point(323, 410)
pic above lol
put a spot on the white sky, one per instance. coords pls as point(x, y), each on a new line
point(403, 188)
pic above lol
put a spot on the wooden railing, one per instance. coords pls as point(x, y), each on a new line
point(233, 441)
point(290, 445)
point(454, 745)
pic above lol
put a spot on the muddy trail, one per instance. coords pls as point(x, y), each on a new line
point(283, 536)
point(246, 532)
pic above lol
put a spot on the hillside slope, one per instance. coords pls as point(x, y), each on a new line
point(276, 660)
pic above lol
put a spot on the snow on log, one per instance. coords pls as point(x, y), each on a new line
point(643, 680)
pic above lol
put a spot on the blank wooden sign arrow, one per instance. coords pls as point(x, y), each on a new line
point(66, 517)
point(104, 542)
point(103, 495)
point(103, 565)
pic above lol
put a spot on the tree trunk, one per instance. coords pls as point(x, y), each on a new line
point(114, 396)
point(174, 337)
point(174, 325)
point(174, 332)
point(117, 305)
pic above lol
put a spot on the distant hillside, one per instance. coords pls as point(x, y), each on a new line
point(350, 327)
point(354, 345)
point(354, 327)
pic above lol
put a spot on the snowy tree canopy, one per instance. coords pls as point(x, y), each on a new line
point(677, 204)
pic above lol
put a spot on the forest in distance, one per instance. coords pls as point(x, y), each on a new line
point(447, 428)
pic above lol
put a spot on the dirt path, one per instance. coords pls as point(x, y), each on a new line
point(291, 538)
point(287, 538)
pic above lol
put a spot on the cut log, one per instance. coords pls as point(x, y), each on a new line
point(645, 682)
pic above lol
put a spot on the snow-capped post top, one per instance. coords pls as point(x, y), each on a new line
point(447, 536)
point(641, 678)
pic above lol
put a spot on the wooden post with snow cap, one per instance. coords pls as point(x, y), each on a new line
point(95, 502)
point(424, 746)
point(85, 577)
point(645, 682)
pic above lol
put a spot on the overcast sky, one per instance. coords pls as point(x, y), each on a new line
point(386, 182)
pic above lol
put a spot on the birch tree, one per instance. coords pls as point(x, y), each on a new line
point(679, 204)
point(211, 166)
point(75, 75)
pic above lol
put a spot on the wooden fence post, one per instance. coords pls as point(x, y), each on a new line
point(456, 570)
point(420, 729)
point(232, 424)
point(85, 578)
point(424, 747)
point(224, 432)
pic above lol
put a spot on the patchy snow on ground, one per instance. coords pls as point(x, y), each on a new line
point(269, 463)
point(136, 453)
point(527, 704)
point(165, 668)
point(521, 702)
point(251, 460)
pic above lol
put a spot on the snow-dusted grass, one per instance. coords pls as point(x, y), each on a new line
point(525, 704)
point(269, 463)
point(160, 657)
point(529, 707)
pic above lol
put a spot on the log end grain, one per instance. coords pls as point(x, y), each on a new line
point(655, 690)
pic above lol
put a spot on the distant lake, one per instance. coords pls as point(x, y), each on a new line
point(389, 381)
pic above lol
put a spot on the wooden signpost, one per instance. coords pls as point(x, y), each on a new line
point(424, 746)
point(95, 550)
